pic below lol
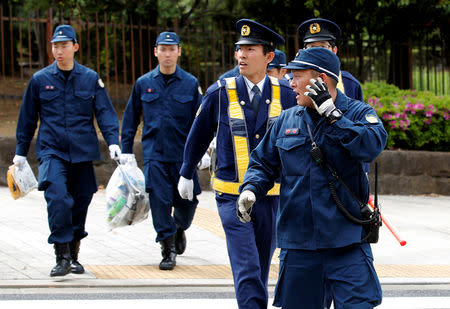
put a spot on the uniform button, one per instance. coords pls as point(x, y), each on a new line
point(257, 136)
point(268, 101)
point(242, 103)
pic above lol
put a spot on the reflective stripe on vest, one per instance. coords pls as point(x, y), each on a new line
point(239, 133)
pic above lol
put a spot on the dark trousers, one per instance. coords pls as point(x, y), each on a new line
point(68, 189)
point(348, 271)
point(161, 180)
point(250, 248)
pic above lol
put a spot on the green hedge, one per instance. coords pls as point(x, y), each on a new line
point(415, 120)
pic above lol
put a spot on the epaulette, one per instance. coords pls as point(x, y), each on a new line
point(215, 86)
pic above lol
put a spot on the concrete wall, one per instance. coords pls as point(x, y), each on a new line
point(399, 172)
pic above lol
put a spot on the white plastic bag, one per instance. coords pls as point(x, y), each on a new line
point(21, 181)
point(126, 200)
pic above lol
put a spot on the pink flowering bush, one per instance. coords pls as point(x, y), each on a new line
point(415, 120)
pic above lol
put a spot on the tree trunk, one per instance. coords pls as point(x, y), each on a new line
point(400, 67)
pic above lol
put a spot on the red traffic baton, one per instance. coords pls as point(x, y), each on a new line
point(386, 222)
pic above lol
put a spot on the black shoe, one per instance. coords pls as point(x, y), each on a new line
point(75, 266)
point(180, 241)
point(169, 253)
point(62, 266)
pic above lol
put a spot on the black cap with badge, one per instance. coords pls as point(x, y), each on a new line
point(254, 33)
point(318, 29)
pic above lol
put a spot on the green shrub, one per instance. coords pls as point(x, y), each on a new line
point(415, 120)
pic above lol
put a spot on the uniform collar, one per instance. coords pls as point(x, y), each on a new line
point(176, 74)
point(341, 101)
point(76, 67)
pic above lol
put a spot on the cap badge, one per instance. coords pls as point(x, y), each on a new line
point(245, 30)
point(314, 28)
point(60, 32)
point(167, 36)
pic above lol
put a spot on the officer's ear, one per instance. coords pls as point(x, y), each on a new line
point(179, 50)
point(76, 47)
point(269, 56)
point(334, 49)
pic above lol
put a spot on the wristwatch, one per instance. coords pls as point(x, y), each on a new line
point(334, 116)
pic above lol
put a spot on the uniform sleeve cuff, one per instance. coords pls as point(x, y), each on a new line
point(187, 171)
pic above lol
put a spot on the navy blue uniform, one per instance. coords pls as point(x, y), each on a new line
point(352, 88)
point(168, 112)
point(317, 241)
point(231, 73)
point(250, 246)
point(67, 142)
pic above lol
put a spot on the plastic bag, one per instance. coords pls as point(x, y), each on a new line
point(21, 181)
point(126, 200)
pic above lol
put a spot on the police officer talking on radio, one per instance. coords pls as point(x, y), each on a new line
point(65, 97)
point(168, 98)
point(318, 241)
point(238, 110)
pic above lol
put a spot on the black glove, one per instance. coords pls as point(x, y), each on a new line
point(321, 98)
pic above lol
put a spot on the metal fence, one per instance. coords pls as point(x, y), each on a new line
point(121, 51)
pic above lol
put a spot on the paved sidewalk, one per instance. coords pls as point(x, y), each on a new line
point(129, 256)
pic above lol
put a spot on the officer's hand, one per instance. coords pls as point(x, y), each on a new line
point(127, 158)
point(321, 98)
point(205, 162)
point(244, 205)
point(19, 161)
point(186, 188)
point(114, 151)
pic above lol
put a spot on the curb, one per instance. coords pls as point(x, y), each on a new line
point(71, 281)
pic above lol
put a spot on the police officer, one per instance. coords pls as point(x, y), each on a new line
point(168, 98)
point(276, 67)
point(238, 110)
point(319, 32)
point(65, 97)
point(318, 242)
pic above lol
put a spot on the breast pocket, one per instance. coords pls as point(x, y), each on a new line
point(151, 110)
point(48, 95)
point(85, 101)
point(181, 107)
point(293, 153)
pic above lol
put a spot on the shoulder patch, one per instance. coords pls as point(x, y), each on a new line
point(100, 83)
point(200, 90)
point(371, 118)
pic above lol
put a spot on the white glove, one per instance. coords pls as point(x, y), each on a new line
point(205, 162)
point(114, 151)
point(245, 203)
point(19, 161)
point(321, 98)
point(186, 188)
point(127, 158)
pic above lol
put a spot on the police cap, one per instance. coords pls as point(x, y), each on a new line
point(278, 61)
point(167, 38)
point(254, 33)
point(317, 58)
point(64, 33)
point(318, 29)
